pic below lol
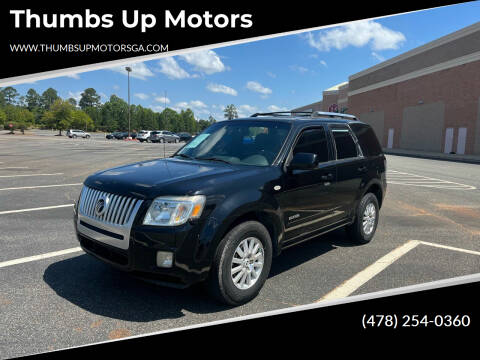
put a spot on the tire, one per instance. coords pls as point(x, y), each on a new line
point(176, 141)
point(359, 232)
point(87, 137)
point(162, 141)
point(221, 282)
point(74, 136)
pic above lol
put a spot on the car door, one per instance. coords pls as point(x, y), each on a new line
point(308, 200)
point(351, 166)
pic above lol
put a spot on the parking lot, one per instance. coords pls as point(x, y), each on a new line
point(52, 295)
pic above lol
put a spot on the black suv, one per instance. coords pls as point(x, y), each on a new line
point(233, 198)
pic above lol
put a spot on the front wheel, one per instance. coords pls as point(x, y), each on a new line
point(366, 220)
point(242, 264)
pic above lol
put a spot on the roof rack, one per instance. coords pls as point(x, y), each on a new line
point(310, 114)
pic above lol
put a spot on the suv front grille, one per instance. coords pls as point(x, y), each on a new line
point(118, 209)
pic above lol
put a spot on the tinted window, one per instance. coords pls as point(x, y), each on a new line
point(367, 139)
point(346, 147)
point(313, 141)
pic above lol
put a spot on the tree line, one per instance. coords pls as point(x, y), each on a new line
point(49, 111)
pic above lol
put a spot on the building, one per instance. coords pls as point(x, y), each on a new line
point(425, 99)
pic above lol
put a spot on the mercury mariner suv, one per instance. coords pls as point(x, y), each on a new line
point(234, 197)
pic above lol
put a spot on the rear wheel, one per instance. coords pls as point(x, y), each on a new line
point(366, 219)
point(74, 136)
point(242, 264)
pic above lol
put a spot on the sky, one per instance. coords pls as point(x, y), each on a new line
point(268, 75)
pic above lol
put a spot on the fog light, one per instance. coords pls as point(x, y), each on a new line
point(164, 259)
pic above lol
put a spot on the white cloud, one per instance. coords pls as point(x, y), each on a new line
point(246, 110)
point(300, 69)
point(170, 67)
point(377, 56)
point(205, 61)
point(323, 62)
point(116, 87)
point(259, 88)
point(196, 106)
point(73, 76)
point(139, 71)
point(162, 99)
point(272, 75)
point(358, 34)
point(274, 108)
point(219, 88)
point(141, 96)
point(75, 95)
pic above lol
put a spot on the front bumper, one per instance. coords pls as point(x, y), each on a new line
point(136, 250)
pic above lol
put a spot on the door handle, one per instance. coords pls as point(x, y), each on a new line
point(362, 169)
point(327, 177)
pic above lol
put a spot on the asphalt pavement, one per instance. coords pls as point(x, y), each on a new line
point(52, 295)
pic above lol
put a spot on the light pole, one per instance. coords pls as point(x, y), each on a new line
point(129, 69)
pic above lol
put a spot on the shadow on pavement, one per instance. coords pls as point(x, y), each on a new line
point(308, 250)
point(105, 291)
point(100, 289)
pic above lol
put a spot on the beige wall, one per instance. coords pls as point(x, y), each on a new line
point(422, 127)
point(377, 121)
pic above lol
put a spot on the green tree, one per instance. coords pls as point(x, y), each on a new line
point(72, 101)
point(48, 97)
point(81, 120)
point(33, 100)
point(89, 98)
point(3, 118)
point(59, 116)
point(20, 118)
point(9, 95)
point(230, 112)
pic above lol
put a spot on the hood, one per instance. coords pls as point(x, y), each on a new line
point(151, 178)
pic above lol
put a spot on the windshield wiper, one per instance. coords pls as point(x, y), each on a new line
point(214, 159)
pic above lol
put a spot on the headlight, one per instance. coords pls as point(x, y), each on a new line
point(174, 210)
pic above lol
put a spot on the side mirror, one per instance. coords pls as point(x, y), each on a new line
point(303, 161)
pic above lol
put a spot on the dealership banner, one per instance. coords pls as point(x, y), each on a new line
point(43, 38)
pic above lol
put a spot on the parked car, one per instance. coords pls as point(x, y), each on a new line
point(224, 205)
point(112, 135)
point(72, 133)
point(124, 135)
point(184, 136)
point(144, 135)
point(163, 136)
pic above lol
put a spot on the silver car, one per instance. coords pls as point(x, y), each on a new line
point(73, 134)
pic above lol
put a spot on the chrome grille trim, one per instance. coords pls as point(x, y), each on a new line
point(117, 218)
point(119, 208)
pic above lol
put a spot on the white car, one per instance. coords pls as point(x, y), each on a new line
point(72, 133)
point(144, 135)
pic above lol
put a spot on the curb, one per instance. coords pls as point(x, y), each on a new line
point(443, 157)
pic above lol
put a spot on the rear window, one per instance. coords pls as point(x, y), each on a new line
point(367, 139)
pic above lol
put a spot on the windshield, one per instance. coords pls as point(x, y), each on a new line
point(238, 142)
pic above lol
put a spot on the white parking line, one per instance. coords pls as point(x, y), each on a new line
point(10, 176)
point(34, 209)
point(403, 178)
point(14, 168)
point(39, 257)
point(355, 282)
point(39, 186)
point(369, 272)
